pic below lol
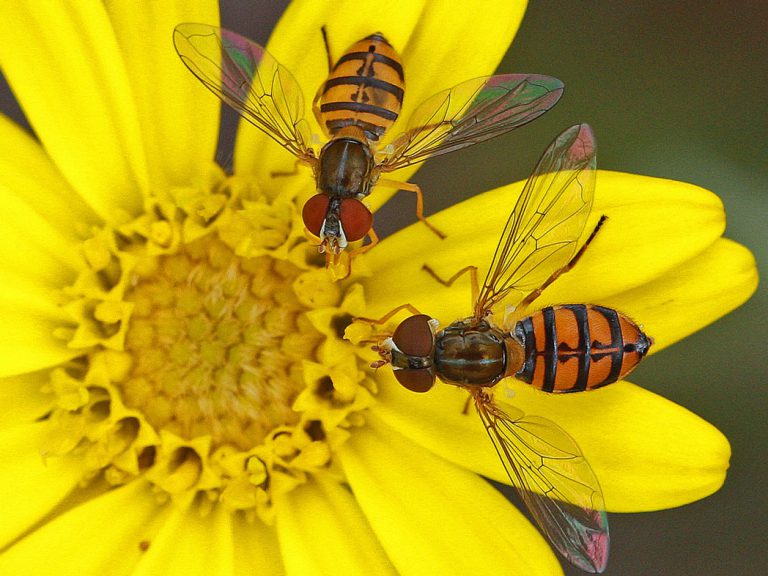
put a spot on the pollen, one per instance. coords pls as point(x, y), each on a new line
point(212, 359)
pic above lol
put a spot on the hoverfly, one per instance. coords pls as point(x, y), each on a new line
point(559, 349)
point(355, 107)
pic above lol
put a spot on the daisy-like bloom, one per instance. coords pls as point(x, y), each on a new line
point(177, 394)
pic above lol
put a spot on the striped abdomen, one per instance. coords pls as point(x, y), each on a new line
point(578, 347)
point(364, 89)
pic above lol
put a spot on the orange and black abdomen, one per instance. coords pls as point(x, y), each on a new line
point(578, 347)
point(364, 89)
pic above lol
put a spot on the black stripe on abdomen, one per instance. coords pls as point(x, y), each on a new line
point(365, 82)
point(377, 37)
point(361, 108)
point(584, 346)
point(550, 349)
point(378, 58)
point(614, 349)
point(524, 333)
point(371, 131)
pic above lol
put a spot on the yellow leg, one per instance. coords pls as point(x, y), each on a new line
point(411, 187)
point(340, 263)
point(374, 239)
point(384, 319)
point(472, 278)
point(293, 172)
point(380, 337)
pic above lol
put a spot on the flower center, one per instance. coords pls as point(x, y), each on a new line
point(212, 358)
point(217, 343)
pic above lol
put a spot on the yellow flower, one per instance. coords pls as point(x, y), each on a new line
point(176, 391)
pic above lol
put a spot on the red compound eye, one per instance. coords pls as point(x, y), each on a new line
point(414, 336)
point(314, 213)
point(415, 379)
point(356, 219)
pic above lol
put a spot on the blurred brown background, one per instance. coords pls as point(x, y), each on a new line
point(674, 90)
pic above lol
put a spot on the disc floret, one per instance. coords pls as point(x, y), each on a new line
point(207, 336)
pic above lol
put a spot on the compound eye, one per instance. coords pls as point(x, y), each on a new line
point(415, 379)
point(414, 336)
point(314, 212)
point(356, 219)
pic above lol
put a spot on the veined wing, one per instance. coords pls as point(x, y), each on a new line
point(547, 221)
point(245, 76)
point(553, 479)
point(471, 112)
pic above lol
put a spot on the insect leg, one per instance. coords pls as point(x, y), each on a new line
point(341, 264)
point(374, 239)
point(282, 174)
point(472, 278)
point(380, 339)
point(411, 187)
point(384, 319)
point(556, 274)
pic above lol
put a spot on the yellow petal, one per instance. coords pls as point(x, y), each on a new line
point(256, 548)
point(102, 536)
point(322, 531)
point(22, 399)
point(64, 66)
point(433, 517)
point(28, 319)
point(441, 43)
point(653, 226)
point(693, 295)
point(189, 543)
point(179, 118)
point(31, 247)
point(27, 173)
point(30, 486)
point(39, 250)
point(647, 452)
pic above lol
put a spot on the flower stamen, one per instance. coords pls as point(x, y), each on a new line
point(203, 348)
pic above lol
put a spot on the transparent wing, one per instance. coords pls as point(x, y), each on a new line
point(469, 113)
point(542, 231)
point(553, 479)
point(245, 76)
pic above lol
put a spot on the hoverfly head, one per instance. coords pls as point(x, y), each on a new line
point(411, 351)
point(337, 221)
